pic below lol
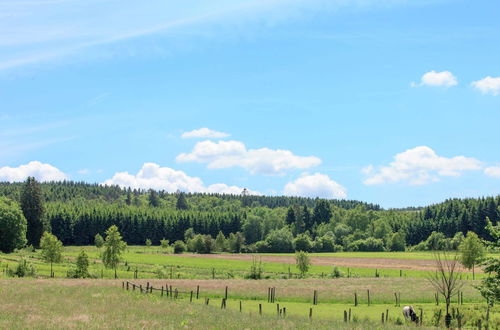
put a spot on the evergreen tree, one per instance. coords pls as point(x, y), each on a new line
point(290, 216)
point(98, 241)
point(154, 201)
point(220, 242)
point(33, 210)
point(82, 265)
point(128, 200)
point(307, 220)
point(182, 203)
point(322, 212)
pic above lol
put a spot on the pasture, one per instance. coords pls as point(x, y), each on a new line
point(91, 303)
point(154, 262)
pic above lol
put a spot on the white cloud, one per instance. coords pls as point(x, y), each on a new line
point(488, 85)
point(153, 176)
point(42, 172)
point(83, 171)
point(418, 166)
point(493, 171)
point(226, 154)
point(204, 133)
point(315, 185)
point(437, 79)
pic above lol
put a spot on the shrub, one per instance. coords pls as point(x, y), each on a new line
point(336, 273)
point(82, 267)
point(280, 241)
point(23, 269)
point(367, 245)
point(303, 262)
point(179, 247)
point(302, 242)
point(261, 247)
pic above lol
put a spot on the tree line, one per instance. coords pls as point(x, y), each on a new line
point(76, 212)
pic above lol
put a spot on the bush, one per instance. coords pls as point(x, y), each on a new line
point(261, 247)
point(179, 247)
point(302, 242)
point(82, 267)
point(280, 241)
point(303, 262)
point(201, 244)
point(336, 273)
point(23, 269)
point(397, 242)
point(367, 245)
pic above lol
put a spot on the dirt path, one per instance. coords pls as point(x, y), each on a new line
point(373, 263)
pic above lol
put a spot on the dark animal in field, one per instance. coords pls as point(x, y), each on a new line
point(409, 313)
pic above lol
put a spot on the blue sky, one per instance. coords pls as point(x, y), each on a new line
point(393, 102)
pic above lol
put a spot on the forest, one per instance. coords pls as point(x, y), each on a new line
point(76, 212)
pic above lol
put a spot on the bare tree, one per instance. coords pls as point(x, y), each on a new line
point(446, 279)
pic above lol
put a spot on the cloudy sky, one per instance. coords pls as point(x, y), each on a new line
point(395, 102)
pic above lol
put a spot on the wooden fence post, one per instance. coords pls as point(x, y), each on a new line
point(386, 315)
point(213, 273)
point(345, 316)
point(383, 318)
point(355, 299)
point(225, 294)
point(278, 309)
point(240, 307)
point(260, 309)
point(349, 315)
point(284, 311)
point(399, 299)
point(268, 294)
point(310, 313)
point(197, 291)
point(368, 291)
point(191, 297)
point(161, 295)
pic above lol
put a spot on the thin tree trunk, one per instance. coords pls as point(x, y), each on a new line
point(115, 274)
point(51, 272)
point(473, 277)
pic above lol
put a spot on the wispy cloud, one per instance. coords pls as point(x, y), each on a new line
point(38, 31)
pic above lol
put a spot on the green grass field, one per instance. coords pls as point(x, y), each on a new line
point(93, 303)
point(153, 262)
point(28, 303)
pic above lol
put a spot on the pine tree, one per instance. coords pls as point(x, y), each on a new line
point(290, 216)
point(34, 211)
point(154, 201)
point(128, 200)
point(181, 201)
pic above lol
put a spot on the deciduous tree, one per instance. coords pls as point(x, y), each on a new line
point(114, 246)
point(51, 249)
point(12, 226)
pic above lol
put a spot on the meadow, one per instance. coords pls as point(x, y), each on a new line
point(86, 300)
point(153, 262)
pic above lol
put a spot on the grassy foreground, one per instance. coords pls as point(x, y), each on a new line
point(102, 304)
